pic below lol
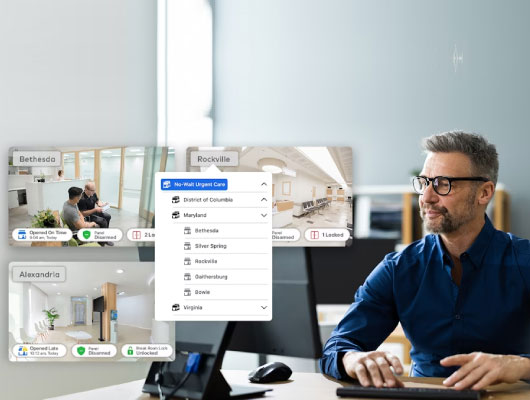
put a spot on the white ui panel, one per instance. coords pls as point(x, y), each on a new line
point(213, 247)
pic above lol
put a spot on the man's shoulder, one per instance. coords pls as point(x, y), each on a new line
point(83, 202)
point(521, 244)
point(69, 210)
point(413, 253)
point(521, 248)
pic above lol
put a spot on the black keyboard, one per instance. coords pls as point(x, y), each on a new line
point(407, 393)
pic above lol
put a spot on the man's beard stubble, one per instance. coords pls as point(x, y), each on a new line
point(450, 223)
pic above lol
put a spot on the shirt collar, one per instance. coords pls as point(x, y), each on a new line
point(479, 247)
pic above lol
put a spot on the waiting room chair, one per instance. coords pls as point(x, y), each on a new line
point(73, 242)
point(309, 207)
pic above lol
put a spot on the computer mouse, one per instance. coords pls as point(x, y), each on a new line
point(271, 372)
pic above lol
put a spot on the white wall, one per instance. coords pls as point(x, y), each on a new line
point(301, 187)
point(378, 76)
point(64, 308)
point(38, 301)
point(46, 171)
point(89, 311)
point(18, 181)
point(136, 310)
point(16, 308)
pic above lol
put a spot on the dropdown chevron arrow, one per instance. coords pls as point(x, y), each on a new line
point(263, 215)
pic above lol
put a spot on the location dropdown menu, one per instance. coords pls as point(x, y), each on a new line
point(213, 246)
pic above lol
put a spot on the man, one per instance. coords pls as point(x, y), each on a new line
point(71, 215)
point(91, 207)
point(458, 292)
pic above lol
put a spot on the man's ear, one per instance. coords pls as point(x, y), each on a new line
point(485, 192)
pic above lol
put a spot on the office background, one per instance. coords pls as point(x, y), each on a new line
point(77, 73)
point(377, 76)
point(374, 75)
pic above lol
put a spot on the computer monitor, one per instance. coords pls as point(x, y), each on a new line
point(98, 304)
point(338, 272)
point(293, 331)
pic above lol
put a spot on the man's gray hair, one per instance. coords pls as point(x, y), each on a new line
point(482, 154)
point(89, 183)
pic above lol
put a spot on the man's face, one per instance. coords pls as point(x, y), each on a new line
point(76, 199)
point(447, 214)
point(90, 190)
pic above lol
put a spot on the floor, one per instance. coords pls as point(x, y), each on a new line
point(337, 215)
point(124, 220)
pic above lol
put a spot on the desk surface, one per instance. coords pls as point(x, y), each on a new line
point(301, 386)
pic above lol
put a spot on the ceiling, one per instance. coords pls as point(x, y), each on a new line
point(83, 277)
point(297, 161)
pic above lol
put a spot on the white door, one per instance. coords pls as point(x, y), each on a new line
point(79, 310)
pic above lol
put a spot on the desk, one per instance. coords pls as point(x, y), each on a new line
point(13, 197)
point(283, 215)
point(329, 316)
point(302, 386)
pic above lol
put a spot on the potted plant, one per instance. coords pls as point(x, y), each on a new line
point(51, 315)
point(415, 172)
point(44, 219)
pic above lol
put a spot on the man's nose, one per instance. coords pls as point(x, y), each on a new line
point(429, 195)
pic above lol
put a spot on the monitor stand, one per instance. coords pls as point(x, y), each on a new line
point(219, 388)
point(208, 383)
point(101, 339)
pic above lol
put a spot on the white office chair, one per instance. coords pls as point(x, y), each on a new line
point(24, 337)
point(44, 327)
point(40, 332)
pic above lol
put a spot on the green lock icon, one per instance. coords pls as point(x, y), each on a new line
point(130, 351)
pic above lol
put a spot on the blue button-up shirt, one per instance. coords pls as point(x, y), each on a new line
point(488, 312)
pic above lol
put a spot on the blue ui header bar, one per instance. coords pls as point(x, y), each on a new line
point(194, 184)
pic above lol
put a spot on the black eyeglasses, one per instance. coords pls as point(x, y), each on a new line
point(441, 184)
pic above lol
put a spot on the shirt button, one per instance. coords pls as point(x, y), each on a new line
point(457, 316)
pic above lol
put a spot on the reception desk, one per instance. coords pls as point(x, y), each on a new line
point(283, 215)
point(52, 195)
point(16, 189)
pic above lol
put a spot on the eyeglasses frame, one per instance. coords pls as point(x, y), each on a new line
point(449, 179)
